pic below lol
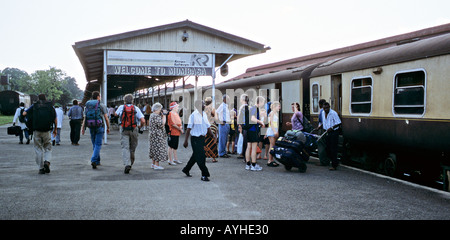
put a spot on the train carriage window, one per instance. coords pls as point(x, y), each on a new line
point(409, 93)
point(361, 95)
point(315, 97)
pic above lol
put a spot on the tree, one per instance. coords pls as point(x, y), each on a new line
point(19, 80)
point(48, 82)
point(54, 83)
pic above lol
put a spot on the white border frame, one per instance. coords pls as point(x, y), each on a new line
point(371, 96)
point(425, 94)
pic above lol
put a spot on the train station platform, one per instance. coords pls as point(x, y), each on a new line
point(75, 191)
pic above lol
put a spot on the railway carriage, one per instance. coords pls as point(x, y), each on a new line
point(393, 105)
point(10, 100)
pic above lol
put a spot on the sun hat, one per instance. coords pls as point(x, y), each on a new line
point(173, 105)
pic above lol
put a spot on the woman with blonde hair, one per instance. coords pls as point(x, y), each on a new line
point(157, 136)
point(272, 131)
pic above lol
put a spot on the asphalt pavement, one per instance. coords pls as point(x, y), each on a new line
point(75, 191)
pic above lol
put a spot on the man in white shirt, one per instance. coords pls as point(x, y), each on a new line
point(331, 123)
point(223, 117)
point(60, 115)
point(198, 126)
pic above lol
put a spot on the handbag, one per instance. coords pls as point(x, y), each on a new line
point(240, 143)
point(14, 130)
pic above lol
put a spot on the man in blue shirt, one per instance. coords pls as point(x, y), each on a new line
point(223, 117)
point(75, 115)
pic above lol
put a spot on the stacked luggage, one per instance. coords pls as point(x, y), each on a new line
point(294, 149)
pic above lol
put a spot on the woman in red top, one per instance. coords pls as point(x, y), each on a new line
point(176, 129)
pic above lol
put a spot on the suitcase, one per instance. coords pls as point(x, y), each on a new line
point(297, 146)
point(289, 158)
point(14, 130)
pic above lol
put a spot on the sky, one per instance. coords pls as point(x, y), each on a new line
point(39, 34)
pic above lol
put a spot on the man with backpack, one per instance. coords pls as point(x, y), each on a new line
point(41, 119)
point(128, 121)
point(95, 115)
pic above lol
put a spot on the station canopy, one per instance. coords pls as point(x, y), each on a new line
point(154, 56)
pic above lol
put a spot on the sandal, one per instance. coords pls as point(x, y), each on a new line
point(273, 164)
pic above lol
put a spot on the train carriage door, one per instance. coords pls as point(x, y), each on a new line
point(336, 93)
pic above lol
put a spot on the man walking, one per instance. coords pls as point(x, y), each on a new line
point(60, 115)
point(21, 120)
point(96, 115)
point(198, 126)
point(42, 119)
point(128, 119)
point(223, 117)
point(75, 115)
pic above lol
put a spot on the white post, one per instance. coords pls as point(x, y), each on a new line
point(214, 81)
point(104, 89)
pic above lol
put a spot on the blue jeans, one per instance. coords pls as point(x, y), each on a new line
point(224, 129)
point(96, 139)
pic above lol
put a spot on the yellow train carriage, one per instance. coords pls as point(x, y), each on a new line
point(392, 104)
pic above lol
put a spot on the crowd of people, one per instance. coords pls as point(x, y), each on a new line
point(213, 133)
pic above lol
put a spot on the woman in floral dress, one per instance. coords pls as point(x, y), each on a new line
point(157, 136)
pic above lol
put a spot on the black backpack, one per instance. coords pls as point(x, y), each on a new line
point(307, 126)
point(21, 116)
point(43, 116)
point(245, 118)
point(166, 126)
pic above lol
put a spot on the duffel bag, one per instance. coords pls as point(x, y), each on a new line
point(14, 130)
point(293, 144)
point(295, 135)
point(289, 158)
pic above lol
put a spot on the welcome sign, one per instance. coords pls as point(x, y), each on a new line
point(159, 63)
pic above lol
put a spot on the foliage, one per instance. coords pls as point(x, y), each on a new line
point(54, 83)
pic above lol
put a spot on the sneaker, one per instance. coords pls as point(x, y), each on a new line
point(41, 171)
point(247, 167)
point(256, 168)
point(172, 163)
point(157, 167)
point(94, 165)
point(177, 162)
point(47, 166)
point(127, 169)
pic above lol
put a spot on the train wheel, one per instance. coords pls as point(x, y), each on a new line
point(390, 165)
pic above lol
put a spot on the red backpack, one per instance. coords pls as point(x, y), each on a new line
point(128, 120)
